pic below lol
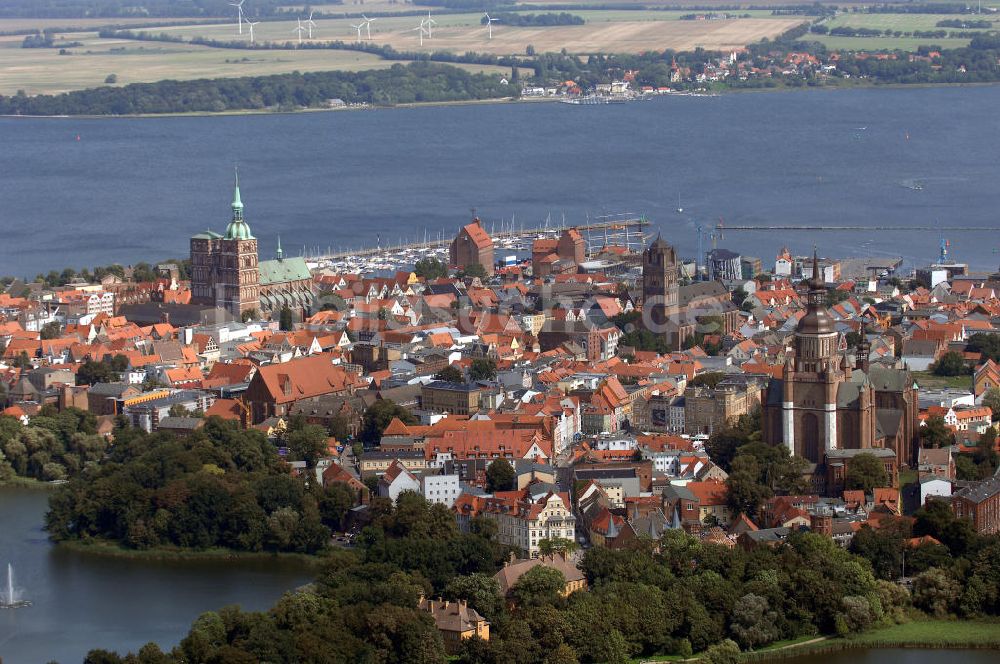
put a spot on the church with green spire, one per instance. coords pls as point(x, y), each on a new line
point(226, 272)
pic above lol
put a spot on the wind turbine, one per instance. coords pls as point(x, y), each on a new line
point(298, 30)
point(368, 25)
point(310, 23)
point(430, 24)
point(419, 29)
point(489, 23)
point(239, 13)
point(358, 28)
point(250, 25)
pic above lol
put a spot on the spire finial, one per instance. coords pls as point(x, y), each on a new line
point(815, 264)
point(236, 169)
point(280, 253)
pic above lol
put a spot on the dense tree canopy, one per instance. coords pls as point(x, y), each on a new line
point(218, 487)
point(54, 446)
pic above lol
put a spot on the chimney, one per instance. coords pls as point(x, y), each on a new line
point(165, 317)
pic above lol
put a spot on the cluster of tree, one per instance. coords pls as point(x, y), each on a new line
point(480, 369)
point(218, 487)
point(984, 460)
point(677, 597)
point(131, 9)
point(38, 40)
point(140, 272)
point(847, 31)
point(56, 445)
point(978, 63)
point(987, 345)
point(416, 82)
point(536, 20)
point(951, 363)
point(958, 576)
point(430, 268)
point(377, 418)
point(108, 370)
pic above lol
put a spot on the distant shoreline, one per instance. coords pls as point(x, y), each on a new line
point(495, 101)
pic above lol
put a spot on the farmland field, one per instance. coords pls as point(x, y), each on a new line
point(16, 24)
point(460, 33)
point(884, 43)
point(901, 22)
point(44, 71)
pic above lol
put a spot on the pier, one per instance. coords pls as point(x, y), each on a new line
point(624, 229)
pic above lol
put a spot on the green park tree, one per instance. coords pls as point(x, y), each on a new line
point(377, 418)
point(935, 433)
point(483, 369)
point(500, 476)
point(451, 373)
point(430, 268)
point(865, 472)
point(951, 363)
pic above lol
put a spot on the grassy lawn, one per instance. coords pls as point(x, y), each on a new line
point(957, 633)
point(918, 633)
point(928, 380)
point(884, 43)
point(908, 476)
point(901, 22)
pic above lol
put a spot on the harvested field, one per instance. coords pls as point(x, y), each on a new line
point(460, 33)
point(44, 71)
point(18, 24)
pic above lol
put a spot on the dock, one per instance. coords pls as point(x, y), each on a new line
point(624, 229)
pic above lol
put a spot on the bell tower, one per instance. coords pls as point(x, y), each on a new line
point(660, 300)
point(237, 286)
point(812, 379)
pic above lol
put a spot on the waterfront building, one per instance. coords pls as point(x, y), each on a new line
point(226, 272)
point(472, 245)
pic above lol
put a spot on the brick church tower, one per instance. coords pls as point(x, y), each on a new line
point(224, 268)
point(660, 290)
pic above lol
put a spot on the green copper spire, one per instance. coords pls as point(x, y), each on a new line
point(237, 203)
point(238, 228)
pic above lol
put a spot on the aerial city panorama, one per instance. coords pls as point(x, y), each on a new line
point(499, 331)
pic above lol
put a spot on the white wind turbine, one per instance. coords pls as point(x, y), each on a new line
point(421, 29)
point(430, 23)
point(368, 25)
point(358, 27)
point(239, 13)
point(310, 23)
point(250, 25)
point(299, 30)
point(489, 23)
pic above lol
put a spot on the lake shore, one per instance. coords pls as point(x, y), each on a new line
point(926, 634)
point(115, 550)
point(861, 85)
point(27, 483)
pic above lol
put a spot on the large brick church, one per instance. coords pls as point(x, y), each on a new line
point(824, 402)
point(675, 311)
point(226, 272)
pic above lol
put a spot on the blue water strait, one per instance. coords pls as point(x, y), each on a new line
point(136, 189)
